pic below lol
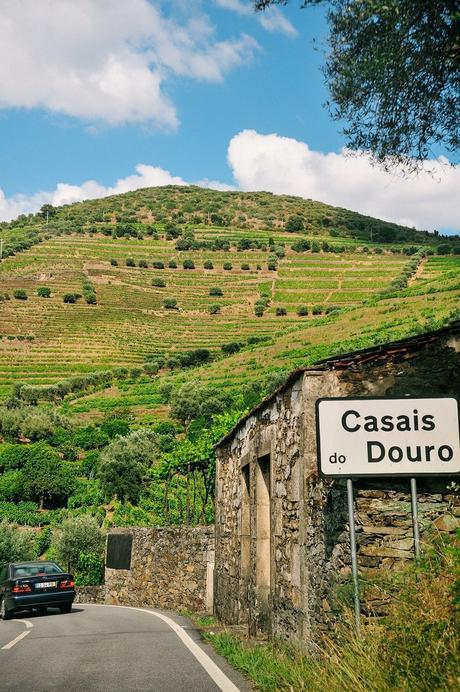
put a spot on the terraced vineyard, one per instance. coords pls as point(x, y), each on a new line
point(44, 339)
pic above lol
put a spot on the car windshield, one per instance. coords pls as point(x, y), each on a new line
point(33, 570)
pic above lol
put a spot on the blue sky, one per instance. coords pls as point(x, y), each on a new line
point(101, 97)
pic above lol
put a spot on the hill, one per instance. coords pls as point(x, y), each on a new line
point(164, 271)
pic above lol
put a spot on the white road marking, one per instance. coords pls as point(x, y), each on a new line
point(215, 673)
point(15, 641)
point(27, 623)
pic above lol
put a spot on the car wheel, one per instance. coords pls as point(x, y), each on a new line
point(41, 610)
point(66, 608)
point(5, 614)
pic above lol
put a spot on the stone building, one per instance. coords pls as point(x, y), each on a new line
point(282, 544)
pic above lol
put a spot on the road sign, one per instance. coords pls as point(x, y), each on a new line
point(388, 437)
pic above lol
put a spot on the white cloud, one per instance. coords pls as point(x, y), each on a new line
point(107, 60)
point(286, 166)
point(272, 19)
point(145, 176)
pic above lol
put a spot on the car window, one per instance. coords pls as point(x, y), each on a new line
point(33, 570)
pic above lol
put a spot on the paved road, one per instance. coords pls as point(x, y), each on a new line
point(106, 648)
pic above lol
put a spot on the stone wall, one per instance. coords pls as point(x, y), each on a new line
point(171, 568)
point(90, 594)
point(309, 551)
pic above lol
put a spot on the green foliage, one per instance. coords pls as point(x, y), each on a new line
point(208, 265)
point(77, 537)
point(16, 545)
point(280, 311)
point(11, 486)
point(20, 294)
point(194, 399)
point(216, 291)
point(188, 264)
point(214, 309)
point(115, 426)
point(159, 283)
point(295, 224)
point(302, 310)
point(46, 478)
point(91, 438)
point(130, 262)
point(69, 298)
point(170, 303)
point(43, 291)
point(232, 347)
point(123, 465)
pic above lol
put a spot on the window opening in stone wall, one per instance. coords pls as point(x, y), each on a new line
point(245, 524)
point(263, 540)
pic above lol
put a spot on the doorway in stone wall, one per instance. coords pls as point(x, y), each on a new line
point(263, 543)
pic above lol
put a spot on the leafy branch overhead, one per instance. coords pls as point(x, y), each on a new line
point(393, 73)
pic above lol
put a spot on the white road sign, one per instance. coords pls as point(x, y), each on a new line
point(388, 437)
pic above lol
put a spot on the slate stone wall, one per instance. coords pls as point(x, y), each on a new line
point(309, 534)
point(171, 568)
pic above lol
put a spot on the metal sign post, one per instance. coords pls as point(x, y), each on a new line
point(354, 558)
point(413, 498)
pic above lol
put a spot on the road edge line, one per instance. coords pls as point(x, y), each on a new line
point(215, 673)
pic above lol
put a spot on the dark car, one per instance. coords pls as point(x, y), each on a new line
point(35, 586)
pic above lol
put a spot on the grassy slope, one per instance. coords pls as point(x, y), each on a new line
point(128, 324)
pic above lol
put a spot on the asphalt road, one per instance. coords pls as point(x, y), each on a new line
point(107, 648)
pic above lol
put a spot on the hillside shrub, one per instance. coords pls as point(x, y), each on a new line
point(316, 310)
point(12, 486)
point(170, 304)
point(315, 246)
point(115, 426)
point(143, 264)
point(228, 266)
point(124, 463)
point(214, 309)
point(44, 291)
point(130, 262)
point(302, 310)
point(301, 245)
point(114, 262)
point(280, 311)
point(208, 265)
point(90, 297)
point(188, 264)
point(216, 291)
point(272, 266)
point(159, 283)
point(151, 368)
point(232, 347)
point(77, 536)
point(245, 266)
point(20, 294)
point(295, 224)
point(70, 298)
point(172, 264)
point(90, 438)
point(158, 265)
point(16, 545)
